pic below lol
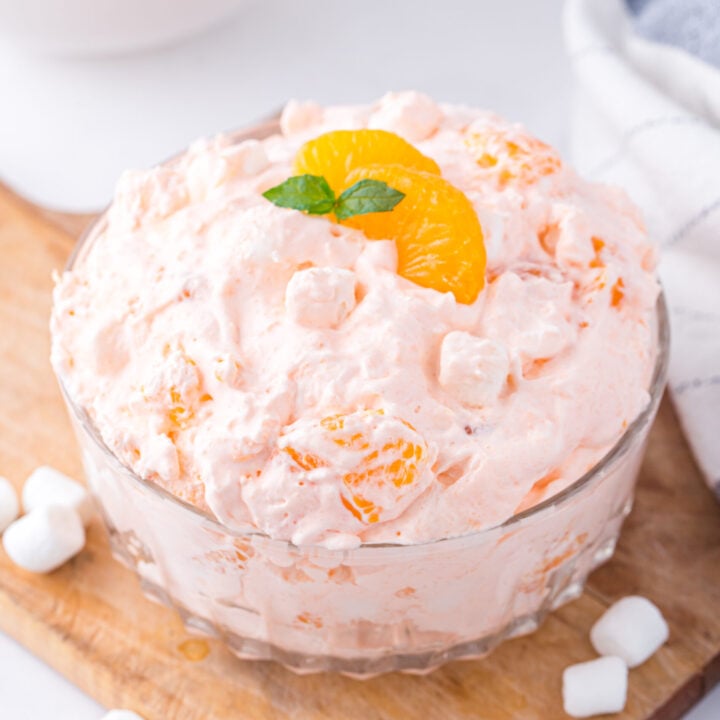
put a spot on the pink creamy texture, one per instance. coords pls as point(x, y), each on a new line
point(209, 333)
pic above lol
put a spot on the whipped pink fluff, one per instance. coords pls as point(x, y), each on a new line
point(215, 339)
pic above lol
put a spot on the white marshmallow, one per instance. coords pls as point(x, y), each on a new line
point(47, 486)
point(412, 115)
point(527, 312)
point(298, 117)
point(633, 629)
point(210, 163)
point(45, 538)
point(248, 158)
point(472, 369)
point(320, 296)
point(595, 688)
point(147, 196)
point(121, 715)
point(9, 505)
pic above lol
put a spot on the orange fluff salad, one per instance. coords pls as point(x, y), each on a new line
point(388, 323)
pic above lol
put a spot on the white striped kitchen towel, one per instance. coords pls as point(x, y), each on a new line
point(646, 116)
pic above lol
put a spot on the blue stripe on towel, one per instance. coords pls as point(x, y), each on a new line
point(637, 6)
point(693, 25)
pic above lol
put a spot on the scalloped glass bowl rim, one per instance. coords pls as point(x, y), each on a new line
point(586, 480)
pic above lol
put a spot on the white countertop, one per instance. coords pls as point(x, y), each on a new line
point(116, 113)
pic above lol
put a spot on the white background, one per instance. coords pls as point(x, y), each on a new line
point(67, 129)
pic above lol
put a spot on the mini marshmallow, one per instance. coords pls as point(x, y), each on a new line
point(472, 369)
point(121, 715)
point(47, 486)
point(320, 297)
point(528, 313)
point(595, 688)
point(212, 162)
point(633, 629)
point(298, 117)
point(45, 538)
point(412, 115)
point(9, 505)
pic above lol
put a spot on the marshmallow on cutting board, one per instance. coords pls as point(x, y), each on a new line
point(45, 538)
point(47, 486)
point(632, 629)
point(595, 688)
point(121, 715)
point(9, 505)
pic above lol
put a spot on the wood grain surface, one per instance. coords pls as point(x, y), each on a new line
point(91, 622)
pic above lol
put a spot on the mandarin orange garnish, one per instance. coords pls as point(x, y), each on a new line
point(435, 228)
point(375, 181)
point(336, 154)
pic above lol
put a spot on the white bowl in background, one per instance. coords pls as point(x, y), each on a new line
point(105, 27)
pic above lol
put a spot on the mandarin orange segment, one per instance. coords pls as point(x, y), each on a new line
point(435, 228)
point(538, 490)
point(179, 415)
point(308, 461)
point(380, 458)
point(336, 154)
point(230, 560)
point(598, 245)
point(512, 156)
point(617, 293)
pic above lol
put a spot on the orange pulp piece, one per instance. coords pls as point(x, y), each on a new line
point(377, 468)
point(435, 228)
point(512, 156)
point(334, 155)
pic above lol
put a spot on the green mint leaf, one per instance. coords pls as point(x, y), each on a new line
point(367, 196)
point(310, 193)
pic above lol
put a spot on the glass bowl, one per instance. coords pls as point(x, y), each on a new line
point(376, 608)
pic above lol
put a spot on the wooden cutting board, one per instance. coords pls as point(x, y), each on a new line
point(91, 622)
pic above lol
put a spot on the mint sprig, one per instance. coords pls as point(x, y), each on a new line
point(310, 193)
point(313, 195)
point(366, 196)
